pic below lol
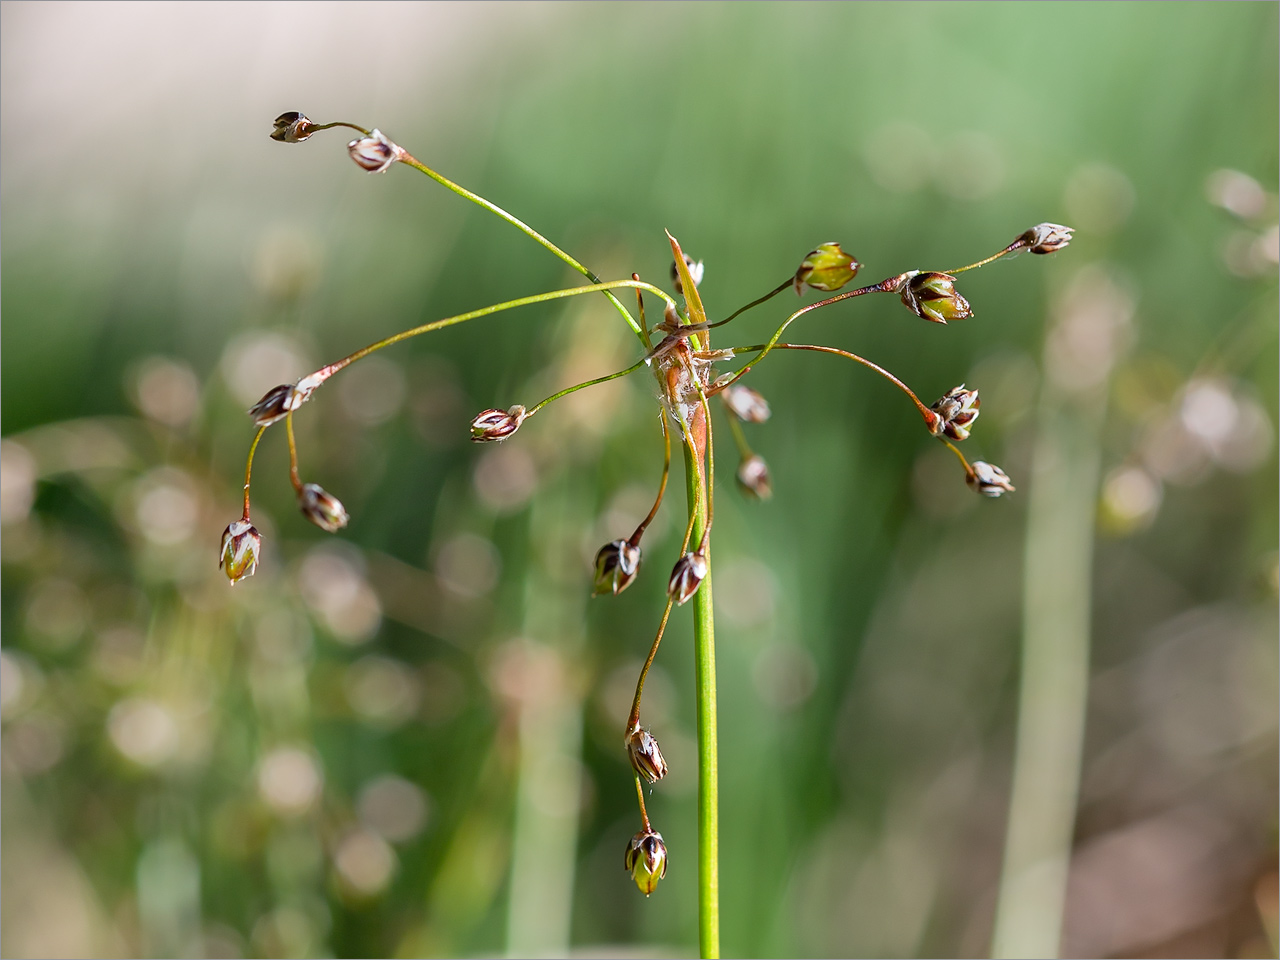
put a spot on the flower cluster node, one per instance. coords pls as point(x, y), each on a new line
point(746, 404)
point(826, 268)
point(687, 575)
point(617, 564)
point(322, 508)
point(696, 270)
point(1046, 237)
point(955, 412)
point(646, 860)
point(753, 477)
point(374, 153)
point(494, 424)
point(292, 127)
point(988, 479)
point(932, 296)
point(241, 545)
point(646, 758)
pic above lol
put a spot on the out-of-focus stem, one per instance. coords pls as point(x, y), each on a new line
point(248, 468)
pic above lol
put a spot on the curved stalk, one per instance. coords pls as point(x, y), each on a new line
point(248, 468)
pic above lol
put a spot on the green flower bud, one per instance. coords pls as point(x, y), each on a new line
point(646, 860)
point(933, 296)
point(241, 544)
point(616, 566)
point(826, 268)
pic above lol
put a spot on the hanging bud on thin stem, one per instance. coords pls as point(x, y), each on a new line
point(292, 127)
point(696, 270)
point(826, 267)
point(933, 296)
point(617, 564)
point(988, 479)
point(753, 477)
point(1046, 237)
point(954, 413)
point(241, 545)
point(646, 860)
point(322, 508)
point(497, 424)
point(646, 758)
point(746, 404)
point(374, 153)
point(687, 575)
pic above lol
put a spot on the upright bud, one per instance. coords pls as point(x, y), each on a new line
point(933, 296)
point(826, 268)
point(753, 477)
point(292, 127)
point(374, 153)
point(746, 404)
point(1046, 237)
point(988, 479)
point(646, 860)
point(322, 508)
point(687, 575)
point(695, 270)
point(616, 566)
point(275, 405)
point(955, 412)
point(497, 424)
point(646, 758)
point(241, 544)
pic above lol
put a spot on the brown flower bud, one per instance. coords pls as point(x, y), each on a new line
point(695, 270)
point(322, 508)
point(1047, 237)
point(292, 127)
point(687, 575)
point(933, 296)
point(496, 424)
point(988, 479)
point(646, 758)
point(275, 405)
point(753, 477)
point(955, 412)
point(827, 267)
point(646, 860)
point(616, 566)
point(746, 404)
point(374, 153)
point(241, 545)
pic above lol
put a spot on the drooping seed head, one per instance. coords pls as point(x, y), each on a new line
point(617, 563)
point(746, 404)
point(374, 153)
point(646, 758)
point(826, 267)
point(292, 127)
point(241, 545)
point(275, 405)
point(646, 860)
point(1047, 237)
point(753, 477)
point(686, 576)
point(696, 270)
point(956, 411)
point(988, 479)
point(933, 296)
point(494, 424)
point(322, 508)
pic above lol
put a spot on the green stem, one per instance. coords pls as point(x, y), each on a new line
point(704, 648)
point(248, 468)
point(589, 383)
point(529, 231)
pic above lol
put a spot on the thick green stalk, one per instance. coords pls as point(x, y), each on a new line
point(704, 653)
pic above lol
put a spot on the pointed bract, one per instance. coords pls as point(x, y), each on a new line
point(933, 296)
point(696, 271)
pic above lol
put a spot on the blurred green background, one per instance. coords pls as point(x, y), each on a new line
point(405, 739)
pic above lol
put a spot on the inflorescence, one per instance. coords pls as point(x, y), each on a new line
point(682, 361)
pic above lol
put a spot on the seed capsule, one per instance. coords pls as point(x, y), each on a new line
point(494, 424)
point(322, 508)
point(746, 404)
point(374, 153)
point(687, 575)
point(955, 412)
point(753, 477)
point(826, 267)
point(292, 127)
point(933, 296)
point(1047, 237)
point(646, 758)
point(646, 860)
point(988, 479)
point(241, 545)
point(617, 563)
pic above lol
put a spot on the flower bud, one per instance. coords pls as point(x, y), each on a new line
point(1047, 237)
point(826, 268)
point(275, 405)
point(753, 477)
point(497, 424)
point(241, 544)
point(955, 412)
point(646, 860)
point(988, 479)
point(616, 566)
point(695, 270)
point(687, 575)
point(374, 153)
point(746, 404)
point(292, 127)
point(932, 296)
point(646, 758)
point(322, 508)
